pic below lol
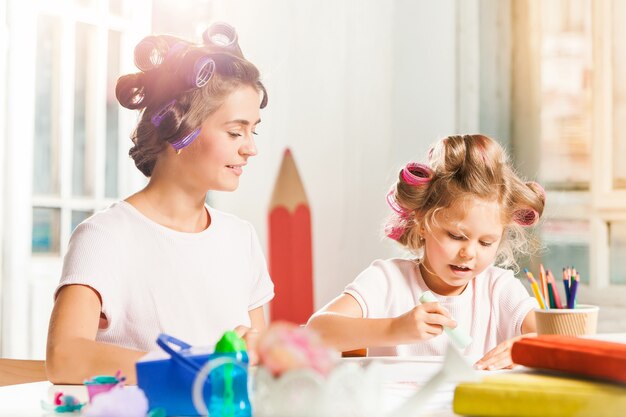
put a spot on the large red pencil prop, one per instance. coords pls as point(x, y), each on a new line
point(290, 258)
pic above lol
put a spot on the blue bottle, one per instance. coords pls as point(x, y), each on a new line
point(229, 382)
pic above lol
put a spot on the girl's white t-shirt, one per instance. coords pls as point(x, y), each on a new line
point(152, 279)
point(491, 308)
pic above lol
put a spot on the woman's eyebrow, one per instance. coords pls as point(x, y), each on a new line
point(242, 122)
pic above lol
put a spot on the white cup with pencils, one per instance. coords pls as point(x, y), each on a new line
point(577, 321)
point(557, 315)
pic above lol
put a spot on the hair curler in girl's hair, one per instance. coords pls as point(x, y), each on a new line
point(157, 117)
point(416, 174)
point(186, 141)
point(394, 204)
point(526, 217)
point(152, 51)
point(130, 91)
point(394, 231)
point(196, 68)
point(222, 35)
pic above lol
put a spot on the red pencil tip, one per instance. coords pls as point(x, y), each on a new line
point(287, 151)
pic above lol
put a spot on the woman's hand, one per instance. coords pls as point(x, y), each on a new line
point(500, 356)
point(423, 322)
point(251, 336)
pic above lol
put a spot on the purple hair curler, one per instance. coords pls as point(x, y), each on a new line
point(203, 70)
point(416, 174)
point(196, 69)
point(526, 217)
point(186, 141)
point(157, 117)
point(394, 204)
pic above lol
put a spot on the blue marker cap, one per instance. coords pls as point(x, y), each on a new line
point(458, 336)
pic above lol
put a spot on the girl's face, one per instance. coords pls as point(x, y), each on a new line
point(461, 244)
point(226, 141)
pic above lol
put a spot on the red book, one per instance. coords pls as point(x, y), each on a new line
point(575, 355)
point(290, 248)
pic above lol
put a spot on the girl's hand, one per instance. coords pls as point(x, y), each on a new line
point(500, 356)
point(251, 336)
point(423, 322)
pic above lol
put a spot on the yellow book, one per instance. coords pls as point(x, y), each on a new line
point(537, 395)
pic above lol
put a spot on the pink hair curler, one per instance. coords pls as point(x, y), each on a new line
point(416, 174)
point(526, 217)
point(394, 204)
point(394, 232)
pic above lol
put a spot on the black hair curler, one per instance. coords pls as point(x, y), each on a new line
point(223, 36)
point(152, 51)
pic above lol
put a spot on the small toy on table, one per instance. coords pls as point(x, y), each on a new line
point(103, 383)
point(188, 379)
point(63, 404)
point(286, 346)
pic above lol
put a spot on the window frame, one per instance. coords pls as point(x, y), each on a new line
point(601, 204)
point(28, 279)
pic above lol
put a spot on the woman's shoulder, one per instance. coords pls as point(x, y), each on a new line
point(231, 222)
point(109, 216)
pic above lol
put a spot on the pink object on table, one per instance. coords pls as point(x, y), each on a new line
point(286, 346)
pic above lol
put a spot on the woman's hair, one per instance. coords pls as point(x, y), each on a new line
point(179, 86)
point(460, 168)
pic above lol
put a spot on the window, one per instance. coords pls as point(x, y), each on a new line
point(68, 141)
point(568, 107)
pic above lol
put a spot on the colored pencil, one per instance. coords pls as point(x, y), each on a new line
point(571, 303)
point(543, 281)
point(555, 289)
point(566, 285)
point(551, 295)
point(535, 288)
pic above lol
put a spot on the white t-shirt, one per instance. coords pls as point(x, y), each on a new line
point(491, 308)
point(152, 279)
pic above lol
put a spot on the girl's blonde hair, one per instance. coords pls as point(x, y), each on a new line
point(465, 167)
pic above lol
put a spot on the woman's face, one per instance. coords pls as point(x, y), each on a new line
point(462, 243)
point(217, 157)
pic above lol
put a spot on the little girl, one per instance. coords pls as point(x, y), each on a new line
point(162, 260)
point(458, 214)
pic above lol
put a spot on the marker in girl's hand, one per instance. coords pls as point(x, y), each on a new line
point(458, 336)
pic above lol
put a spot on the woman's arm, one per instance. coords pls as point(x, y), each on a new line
point(341, 325)
point(72, 354)
point(251, 334)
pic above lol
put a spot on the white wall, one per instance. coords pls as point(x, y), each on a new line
point(356, 89)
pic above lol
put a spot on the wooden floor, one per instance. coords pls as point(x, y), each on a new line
point(18, 371)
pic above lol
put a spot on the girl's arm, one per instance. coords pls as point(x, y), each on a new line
point(500, 356)
point(72, 354)
point(341, 325)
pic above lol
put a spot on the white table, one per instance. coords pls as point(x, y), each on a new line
point(402, 378)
